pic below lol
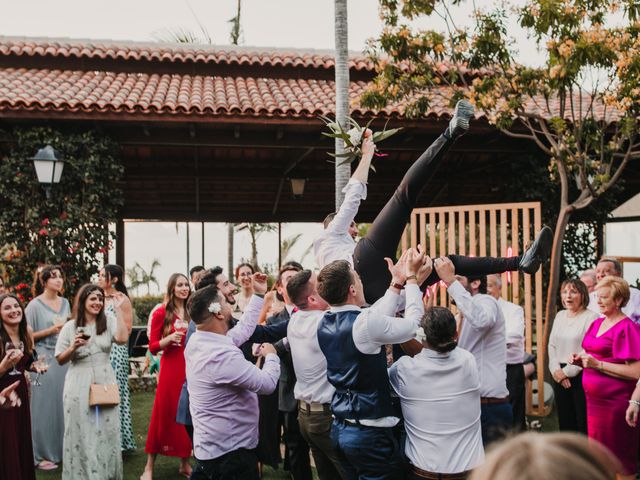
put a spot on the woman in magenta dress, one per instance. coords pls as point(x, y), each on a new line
point(611, 362)
point(16, 450)
point(168, 328)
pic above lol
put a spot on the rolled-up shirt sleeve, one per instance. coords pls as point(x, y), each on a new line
point(373, 328)
point(243, 374)
point(481, 313)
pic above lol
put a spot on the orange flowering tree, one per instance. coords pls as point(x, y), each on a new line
point(580, 106)
point(70, 228)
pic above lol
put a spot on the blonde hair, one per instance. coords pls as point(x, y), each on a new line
point(619, 288)
point(548, 456)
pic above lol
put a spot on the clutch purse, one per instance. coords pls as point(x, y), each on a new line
point(104, 395)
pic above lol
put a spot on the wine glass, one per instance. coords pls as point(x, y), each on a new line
point(180, 326)
point(14, 346)
point(42, 365)
point(58, 320)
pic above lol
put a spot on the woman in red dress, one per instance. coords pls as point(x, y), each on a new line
point(16, 450)
point(168, 328)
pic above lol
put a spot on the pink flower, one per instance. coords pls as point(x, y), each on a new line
point(45, 222)
point(43, 232)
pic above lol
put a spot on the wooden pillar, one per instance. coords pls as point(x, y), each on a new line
point(120, 243)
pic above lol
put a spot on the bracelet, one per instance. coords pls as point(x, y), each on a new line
point(412, 277)
point(634, 402)
point(601, 367)
point(396, 285)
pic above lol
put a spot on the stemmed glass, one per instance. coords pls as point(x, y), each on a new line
point(14, 346)
point(42, 365)
point(180, 326)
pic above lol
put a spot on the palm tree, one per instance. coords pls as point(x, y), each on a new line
point(255, 230)
point(342, 172)
point(287, 245)
point(134, 277)
point(236, 29)
point(147, 278)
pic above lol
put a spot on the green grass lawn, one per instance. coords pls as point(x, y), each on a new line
point(166, 467)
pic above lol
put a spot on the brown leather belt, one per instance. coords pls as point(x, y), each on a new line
point(314, 407)
point(493, 400)
point(439, 476)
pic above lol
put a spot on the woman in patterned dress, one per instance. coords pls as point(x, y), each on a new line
point(111, 280)
point(91, 434)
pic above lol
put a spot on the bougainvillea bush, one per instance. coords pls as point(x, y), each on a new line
point(71, 227)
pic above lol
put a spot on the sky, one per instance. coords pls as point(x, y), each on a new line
point(304, 24)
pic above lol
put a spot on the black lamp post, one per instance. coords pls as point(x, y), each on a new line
point(49, 165)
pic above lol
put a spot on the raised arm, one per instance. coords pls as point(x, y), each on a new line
point(247, 324)
point(374, 329)
point(243, 374)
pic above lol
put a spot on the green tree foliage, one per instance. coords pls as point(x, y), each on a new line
point(70, 228)
point(580, 107)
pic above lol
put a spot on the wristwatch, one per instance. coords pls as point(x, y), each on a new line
point(399, 286)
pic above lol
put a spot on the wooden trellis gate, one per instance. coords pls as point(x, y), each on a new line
point(490, 230)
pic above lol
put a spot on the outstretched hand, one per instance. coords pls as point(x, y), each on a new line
point(259, 282)
point(415, 261)
point(398, 270)
point(445, 269)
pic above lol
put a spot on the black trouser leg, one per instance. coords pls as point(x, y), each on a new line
point(384, 234)
point(571, 405)
point(515, 385)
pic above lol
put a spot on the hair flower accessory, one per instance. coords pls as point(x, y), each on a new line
point(215, 307)
point(420, 335)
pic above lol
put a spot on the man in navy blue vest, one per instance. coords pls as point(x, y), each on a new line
point(353, 341)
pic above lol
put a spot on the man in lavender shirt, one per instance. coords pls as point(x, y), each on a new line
point(223, 386)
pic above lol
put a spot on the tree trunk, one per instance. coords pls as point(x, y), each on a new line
point(254, 251)
point(230, 235)
point(554, 271)
point(342, 172)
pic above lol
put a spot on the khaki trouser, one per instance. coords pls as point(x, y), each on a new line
point(315, 427)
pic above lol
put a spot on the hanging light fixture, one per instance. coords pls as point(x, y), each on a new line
point(49, 165)
point(297, 186)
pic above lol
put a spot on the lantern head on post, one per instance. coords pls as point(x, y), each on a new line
point(49, 165)
point(297, 187)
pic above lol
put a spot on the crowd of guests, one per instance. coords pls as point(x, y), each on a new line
point(352, 365)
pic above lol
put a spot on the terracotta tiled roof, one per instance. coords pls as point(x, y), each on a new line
point(49, 87)
point(80, 91)
point(173, 52)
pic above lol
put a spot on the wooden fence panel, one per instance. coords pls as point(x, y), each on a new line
point(499, 230)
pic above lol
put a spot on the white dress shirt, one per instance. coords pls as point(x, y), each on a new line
point(514, 328)
point(224, 387)
point(335, 243)
point(483, 334)
point(440, 398)
point(631, 309)
point(377, 326)
point(566, 339)
point(309, 363)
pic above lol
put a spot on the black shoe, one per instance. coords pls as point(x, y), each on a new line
point(459, 123)
point(537, 252)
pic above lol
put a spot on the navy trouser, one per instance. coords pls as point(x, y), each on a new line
point(367, 453)
point(385, 232)
point(496, 420)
